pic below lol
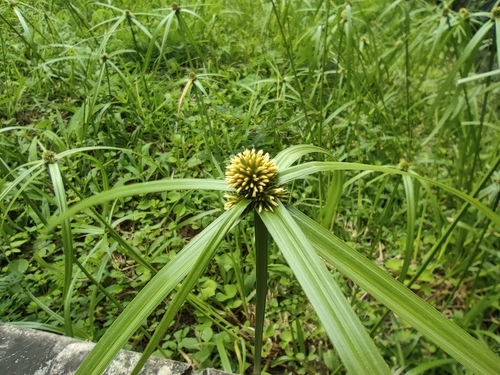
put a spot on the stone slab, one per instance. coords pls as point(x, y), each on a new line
point(25, 351)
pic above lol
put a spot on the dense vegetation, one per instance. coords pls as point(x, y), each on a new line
point(98, 96)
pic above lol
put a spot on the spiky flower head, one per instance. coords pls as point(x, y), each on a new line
point(252, 174)
point(496, 12)
point(404, 165)
point(49, 157)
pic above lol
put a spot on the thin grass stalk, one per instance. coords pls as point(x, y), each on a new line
point(208, 124)
point(430, 255)
point(27, 22)
point(107, 77)
point(349, 42)
point(449, 82)
point(149, 53)
point(191, 39)
point(470, 137)
point(25, 41)
point(323, 78)
point(325, 203)
point(237, 259)
point(103, 243)
point(167, 21)
point(484, 109)
point(80, 21)
point(384, 215)
point(472, 290)
point(4, 52)
point(183, 34)
point(52, 28)
point(292, 65)
point(129, 16)
point(261, 260)
point(469, 262)
point(408, 75)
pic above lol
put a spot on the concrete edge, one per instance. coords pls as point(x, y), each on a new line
point(25, 351)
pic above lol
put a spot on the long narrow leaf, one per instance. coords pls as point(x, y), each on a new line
point(67, 242)
point(468, 50)
point(303, 170)
point(410, 224)
point(140, 188)
point(422, 316)
point(200, 264)
point(291, 154)
point(350, 338)
point(153, 293)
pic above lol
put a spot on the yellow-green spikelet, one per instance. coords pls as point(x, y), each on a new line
point(252, 174)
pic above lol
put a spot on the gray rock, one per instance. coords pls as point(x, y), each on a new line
point(25, 351)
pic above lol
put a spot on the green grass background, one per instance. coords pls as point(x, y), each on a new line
point(135, 91)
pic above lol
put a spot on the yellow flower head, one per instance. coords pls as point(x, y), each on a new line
point(496, 12)
point(49, 157)
point(252, 174)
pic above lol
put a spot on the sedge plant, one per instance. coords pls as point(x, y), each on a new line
point(257, 185)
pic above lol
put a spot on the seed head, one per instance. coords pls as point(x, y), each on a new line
point(464, 13)
point(252, 174)
point(49, 157)
point(496, 12)
point(404, 165)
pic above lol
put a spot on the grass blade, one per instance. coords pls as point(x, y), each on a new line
point(153, 293)
point(67, 242)
point(305, 169)
point(140, 188)
point(291, 154)
point(191, 279)
point(422, 316)
point(349, 336)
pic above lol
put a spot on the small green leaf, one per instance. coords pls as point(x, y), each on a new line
point(18, 266)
